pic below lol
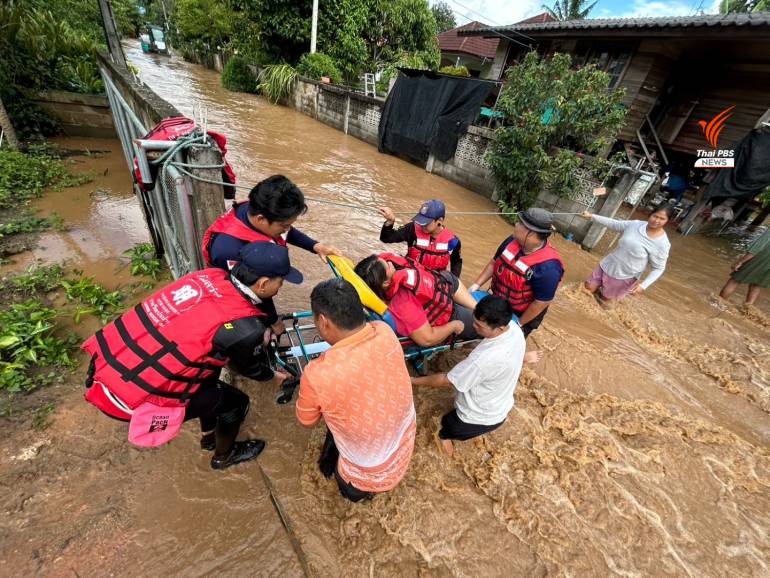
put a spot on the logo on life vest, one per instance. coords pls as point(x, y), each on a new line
point(187, 295)
point(158, 423)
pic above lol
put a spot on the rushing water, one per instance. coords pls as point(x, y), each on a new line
point(638, 446)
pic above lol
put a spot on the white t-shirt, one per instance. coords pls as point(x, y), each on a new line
point(486, 379)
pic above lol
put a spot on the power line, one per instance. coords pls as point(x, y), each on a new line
point(490, 20)
point(527, 46)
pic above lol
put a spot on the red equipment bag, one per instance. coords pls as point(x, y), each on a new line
point(176, 127)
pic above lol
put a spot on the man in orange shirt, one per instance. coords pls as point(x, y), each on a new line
point(362, 389)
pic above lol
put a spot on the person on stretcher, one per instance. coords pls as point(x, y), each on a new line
point(428, 306)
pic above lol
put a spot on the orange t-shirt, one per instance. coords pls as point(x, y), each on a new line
point(362, 389)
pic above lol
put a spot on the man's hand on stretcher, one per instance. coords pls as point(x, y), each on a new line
point(323, 251)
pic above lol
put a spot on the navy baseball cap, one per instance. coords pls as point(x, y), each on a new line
point(269, 260)
point(429, 212)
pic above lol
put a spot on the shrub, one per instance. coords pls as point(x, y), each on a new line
point(144, 260)
point(455, 70)
point(237, 76)
point(551, 113)
point(317, 65)
point(276, 81)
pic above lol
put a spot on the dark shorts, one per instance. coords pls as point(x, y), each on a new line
point(328, 462)
point(217, 400)
point(453, 428)
point(459, 312)
point(532, 325)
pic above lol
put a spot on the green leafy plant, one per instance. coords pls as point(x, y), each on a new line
point(24, 176)
point(36, 279)
point(455, 70)
point(24, 223)
point(276, 81)
point(318, 65)
point(27, 344)
point(144, 260)
point(92, 299)
point(555, 118)
point(237, 76)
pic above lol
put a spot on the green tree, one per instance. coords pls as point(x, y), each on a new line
point(731, 6)
point(569, 9)
point(398, 26)
point(551, 113)
point(444, 16)
point(204, 21)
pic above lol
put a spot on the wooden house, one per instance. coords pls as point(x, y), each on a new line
point(677, 71)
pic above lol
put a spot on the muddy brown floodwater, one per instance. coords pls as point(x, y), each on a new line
point(638, 446)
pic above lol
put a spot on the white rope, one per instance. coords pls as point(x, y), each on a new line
point(181, 168)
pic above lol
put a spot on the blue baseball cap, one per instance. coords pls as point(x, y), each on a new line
point(429, 212)
point(268, 259)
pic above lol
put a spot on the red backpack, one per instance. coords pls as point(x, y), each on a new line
point(173, 128)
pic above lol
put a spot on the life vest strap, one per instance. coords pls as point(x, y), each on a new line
point(160, 338)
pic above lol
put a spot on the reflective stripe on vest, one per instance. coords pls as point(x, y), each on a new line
point(431, 252)
point(511, 276)
point(432, 290)
point(230, 224)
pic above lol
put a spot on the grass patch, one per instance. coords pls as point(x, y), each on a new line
point(91, 298)
point(36, 279)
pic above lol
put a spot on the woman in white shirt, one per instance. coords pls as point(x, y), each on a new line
point(642, 243)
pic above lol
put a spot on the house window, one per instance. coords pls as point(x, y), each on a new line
point(611, 58)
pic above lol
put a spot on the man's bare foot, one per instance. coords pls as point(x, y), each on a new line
point(449, 447)
point(533, 356)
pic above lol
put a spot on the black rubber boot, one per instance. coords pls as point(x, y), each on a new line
point(209, 441)
point(241, 452)
point(327, 463)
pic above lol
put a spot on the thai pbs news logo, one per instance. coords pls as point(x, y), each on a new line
point(715, 158)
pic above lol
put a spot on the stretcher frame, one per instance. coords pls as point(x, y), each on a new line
point(294, 356)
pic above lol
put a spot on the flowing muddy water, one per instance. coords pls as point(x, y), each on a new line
point(638, 446)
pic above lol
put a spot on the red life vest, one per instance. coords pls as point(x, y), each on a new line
point(510, 276)
point(432, 290)
point(176, 127)
point(161, 350)
point(432, 253)
point(230, 224)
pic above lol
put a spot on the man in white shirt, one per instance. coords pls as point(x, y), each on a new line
point(485, 381)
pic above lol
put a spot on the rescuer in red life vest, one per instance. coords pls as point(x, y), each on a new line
point(427, 306)
point(526, 269)
point(269, 214)
point(158, 364)
point(430, 242)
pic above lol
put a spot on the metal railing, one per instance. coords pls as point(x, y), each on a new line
point(169, 205)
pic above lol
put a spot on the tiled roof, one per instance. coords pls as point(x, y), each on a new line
point(704, 21)
point(542, 17)
point(449, 41)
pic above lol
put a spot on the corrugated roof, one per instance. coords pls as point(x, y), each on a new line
point(704, 21)
point(449, 41)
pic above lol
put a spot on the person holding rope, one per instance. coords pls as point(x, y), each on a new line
point(526, 269)
point(427, 306)
point(429, 242)
point(273, 206)
point(641, 243)
point(158, 364)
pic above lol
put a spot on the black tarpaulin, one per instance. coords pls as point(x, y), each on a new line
point(427, 112)
point(752, 168)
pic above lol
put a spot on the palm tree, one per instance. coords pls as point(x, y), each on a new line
point(5, 124)
point(570, 9)
point(730, 6)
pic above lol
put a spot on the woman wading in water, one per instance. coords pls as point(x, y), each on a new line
point(752, 269)
point(641, 243)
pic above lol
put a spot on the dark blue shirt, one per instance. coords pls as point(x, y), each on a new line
point(225, 248)
point(545, 276)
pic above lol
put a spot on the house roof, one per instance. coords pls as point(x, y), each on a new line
point(542, 17)
point(659, 24)
point(450, 41)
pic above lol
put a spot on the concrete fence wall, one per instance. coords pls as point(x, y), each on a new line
point(79, 114)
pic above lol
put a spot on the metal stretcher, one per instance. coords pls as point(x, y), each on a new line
point(303, 344)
